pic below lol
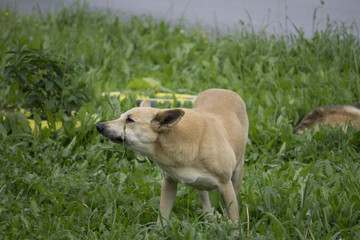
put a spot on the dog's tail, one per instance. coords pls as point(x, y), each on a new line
point(357, 105)
point(335, 115)
point(314, 117)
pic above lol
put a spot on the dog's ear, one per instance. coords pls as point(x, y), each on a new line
point(166, 119)
point(145, 103)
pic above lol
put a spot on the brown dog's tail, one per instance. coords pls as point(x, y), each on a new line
point(314, 117)
point(357, 105)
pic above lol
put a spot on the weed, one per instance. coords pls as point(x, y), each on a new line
point(71, 183)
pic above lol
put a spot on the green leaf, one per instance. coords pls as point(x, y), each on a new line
point(3, 132)
point(48, 85)
point(66, 152)
point(143, 84)
point(329, 169)
point(50, 104)
point(129, 50)
point(34, 208)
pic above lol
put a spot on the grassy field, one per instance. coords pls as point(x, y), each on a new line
point(71, 183)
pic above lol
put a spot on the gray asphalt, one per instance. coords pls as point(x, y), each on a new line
point(275, 16)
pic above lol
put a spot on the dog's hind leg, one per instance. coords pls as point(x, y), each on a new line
point(229, 197)
point(237, 176)
point(168, 194)
point(205, 201)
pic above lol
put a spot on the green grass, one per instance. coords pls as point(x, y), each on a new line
point(74, 184)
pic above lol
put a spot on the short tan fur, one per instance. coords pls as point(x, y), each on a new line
point(202, 147)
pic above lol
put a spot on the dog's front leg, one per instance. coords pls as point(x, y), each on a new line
point(229, 197)
point(168, 194)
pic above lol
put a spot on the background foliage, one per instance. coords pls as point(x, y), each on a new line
point(70, 183)
point(44, 80)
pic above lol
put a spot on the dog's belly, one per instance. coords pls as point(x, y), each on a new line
point(204, 183)
point(192, 177)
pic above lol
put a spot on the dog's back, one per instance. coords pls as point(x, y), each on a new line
point(223, 103)
point(333, 116)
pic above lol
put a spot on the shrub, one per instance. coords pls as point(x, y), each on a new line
point(45, 81)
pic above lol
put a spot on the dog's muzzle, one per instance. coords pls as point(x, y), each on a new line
point(101, 127)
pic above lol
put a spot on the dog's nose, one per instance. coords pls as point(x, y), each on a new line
point(100, 127)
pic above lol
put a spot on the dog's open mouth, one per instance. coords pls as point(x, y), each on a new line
point(118, 139)
point(104, 130)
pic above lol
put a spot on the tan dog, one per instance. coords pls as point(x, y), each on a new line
point(333, 116)
point(202, 147)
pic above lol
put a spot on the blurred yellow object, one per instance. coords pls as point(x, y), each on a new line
point(173, 100)
point(25, 112)
point(45, 124)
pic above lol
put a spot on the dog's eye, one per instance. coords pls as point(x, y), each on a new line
point(129, 120)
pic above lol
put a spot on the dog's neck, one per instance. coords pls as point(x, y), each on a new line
point(172, 146)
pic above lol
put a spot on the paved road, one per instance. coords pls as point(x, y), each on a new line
point(277, 16)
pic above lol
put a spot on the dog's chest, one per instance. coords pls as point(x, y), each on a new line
point(191, 176)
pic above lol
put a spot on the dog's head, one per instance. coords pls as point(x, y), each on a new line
point(139, 127)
